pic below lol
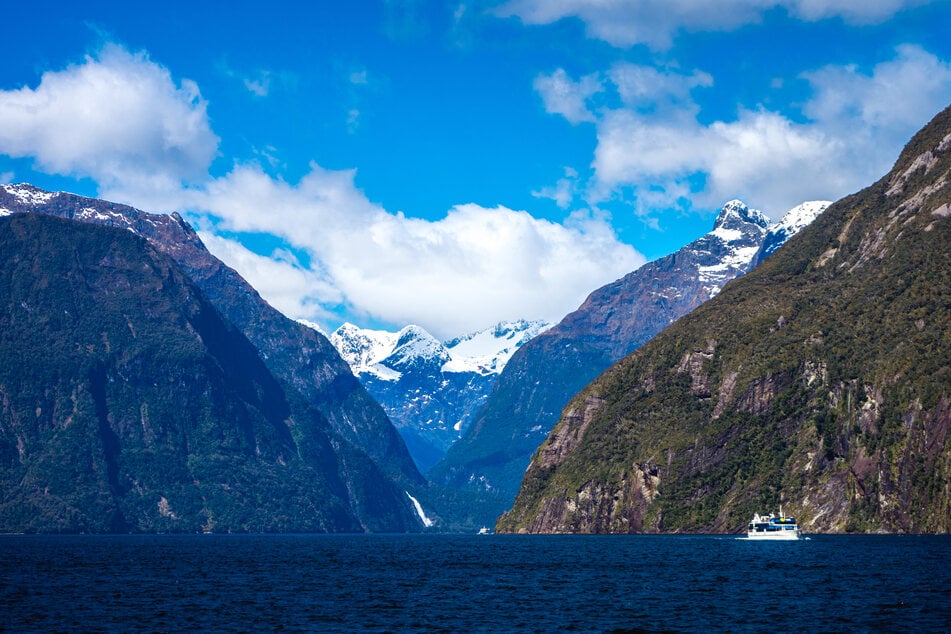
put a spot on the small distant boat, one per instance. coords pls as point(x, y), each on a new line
point(484, 531)
point(773, 527)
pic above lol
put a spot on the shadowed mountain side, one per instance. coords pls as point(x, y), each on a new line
point(128, 403)
point(293, 352)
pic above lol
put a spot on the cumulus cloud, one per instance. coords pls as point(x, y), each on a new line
point(654, 23)
point(853, 126)
point(118, 118)
point(761, 157)
point(899, 95)
point(564, 191)
point(462, 272)
point(652, 89)
point(291, 287)
point(564, 96)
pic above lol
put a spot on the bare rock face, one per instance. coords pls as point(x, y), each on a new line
point(601, 507)
point(693, 364)
point(568, 437)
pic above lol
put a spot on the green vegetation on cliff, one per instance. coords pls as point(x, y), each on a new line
point(128, 403)
point(820, 380)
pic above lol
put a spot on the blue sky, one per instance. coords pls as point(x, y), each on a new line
point(453, 164)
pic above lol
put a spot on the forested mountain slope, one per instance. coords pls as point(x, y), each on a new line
point(129, 403)
point(820, 380)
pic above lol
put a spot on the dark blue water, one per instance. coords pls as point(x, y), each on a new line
point(469, 583)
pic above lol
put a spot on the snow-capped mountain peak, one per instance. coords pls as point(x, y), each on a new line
point(415, 346)
point(364, 349)
point(791, 223)
point(736, 214)
point(484, 352)
point(801, 215)
point(487, 351)
point(430, 389)
point(728, 250)
point(27, 195)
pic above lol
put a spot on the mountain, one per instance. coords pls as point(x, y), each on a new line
point(294, 353)
point(613, 321)
point(429, 388)
point(128, 403)
point(820, 380)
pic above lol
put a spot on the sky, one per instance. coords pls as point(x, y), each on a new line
point(455, 164)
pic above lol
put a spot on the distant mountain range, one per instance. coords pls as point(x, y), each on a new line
point(820, 380)
point(303, 361)
point(430, 388)
point(545, 373)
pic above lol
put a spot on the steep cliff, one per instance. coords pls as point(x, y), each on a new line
point(820, 380)
point(129, 403)
point(295, 353)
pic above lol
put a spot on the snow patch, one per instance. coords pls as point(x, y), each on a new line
point(29, 195)
point(91, 213)
point(727, 235)
point(800, 216)
point(364, 349)
point(419, 511)
point(312, 326)
point(381, 372)
point(715, 276)
point(488, 351)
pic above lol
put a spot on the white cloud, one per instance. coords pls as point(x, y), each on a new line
point(852, 11)
point(118, 118)
point(259, 85)
point(563, 192)
point(649, 88)
point(291, 288)
point(899, 95)
point(473, 267)
point(855, 124)
point(626, 23)
point(564, 96)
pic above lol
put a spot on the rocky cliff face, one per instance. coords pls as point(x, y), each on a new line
point(129, 403)
point(819, 381)
point(613, 321)
point(293, 352)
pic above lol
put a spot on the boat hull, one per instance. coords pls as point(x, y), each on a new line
point(774, 535)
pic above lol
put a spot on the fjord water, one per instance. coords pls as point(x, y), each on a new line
point(465, 583)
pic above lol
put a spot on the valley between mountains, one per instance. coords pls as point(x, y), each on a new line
point(146, 387)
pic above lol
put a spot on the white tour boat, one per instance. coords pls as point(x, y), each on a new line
point(773, 527)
